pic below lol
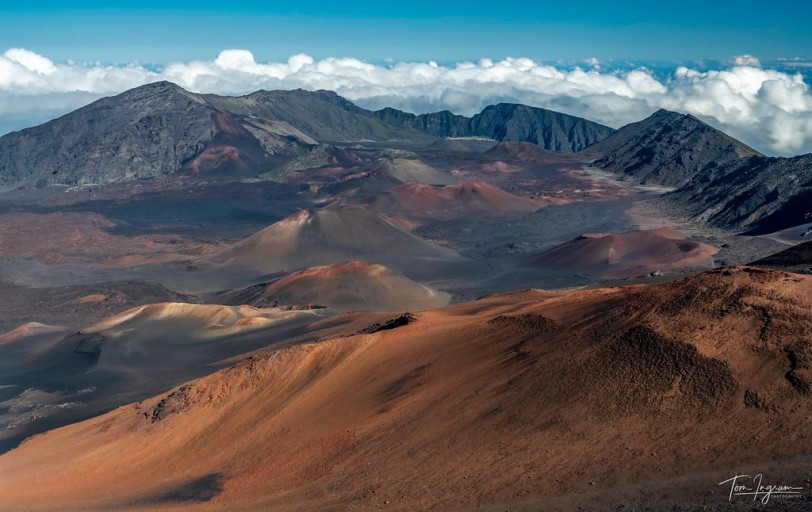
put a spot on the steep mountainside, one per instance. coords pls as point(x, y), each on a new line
point(718, 180)
point(507, 122)
point(153, 130)
point(323, 115)
point(127, 356)
point(759, 194)
point(797, 258)
point(439, 124)
point(668, 149)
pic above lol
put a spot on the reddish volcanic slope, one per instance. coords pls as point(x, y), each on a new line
point(618, 255)
point(473, 198)
point(28, 331)
point(246, 144)
point(641, 396)
point(71, 237)
point(346, 286)
point(331, 235)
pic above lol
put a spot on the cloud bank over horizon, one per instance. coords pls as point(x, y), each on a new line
point(768, 109)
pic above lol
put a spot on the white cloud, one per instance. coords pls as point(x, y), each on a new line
point(31, 61)
point(746, 60)
point(768, 109)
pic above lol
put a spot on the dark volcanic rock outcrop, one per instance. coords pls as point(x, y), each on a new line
point(506, 122)
point(718, 180)
point(438, 124)
point(759, 194)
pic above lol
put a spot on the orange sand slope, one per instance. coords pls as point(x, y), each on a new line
point(345, 286)
point(28, 331)
point(195, 320)
point(521, 401)
point(630, 254)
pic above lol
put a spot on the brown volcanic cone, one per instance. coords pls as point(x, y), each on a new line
point(345, 286)
point(618, 255)
point(405, 170)
point(643, 396)
point(331, 235)
point(466, 199)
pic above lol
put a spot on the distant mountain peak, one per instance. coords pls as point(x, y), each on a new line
point(669, 113)
point(153, 130)
point(161, 84)
point(668, 148)
point(160, 87)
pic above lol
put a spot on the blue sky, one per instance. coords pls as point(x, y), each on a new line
point(161, 31)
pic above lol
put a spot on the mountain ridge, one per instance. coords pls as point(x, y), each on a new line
point(159, 129)
point(668, 148)
point(147, 132)
point(510, 122)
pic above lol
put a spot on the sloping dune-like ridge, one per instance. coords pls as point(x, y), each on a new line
point(346, 286)
point(797, 258)
point(407, 170)
point(618, 255)
point(523, 401)
point(202, 316)
point(28, 330)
